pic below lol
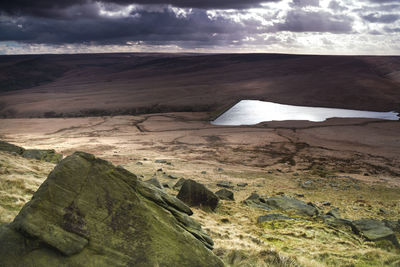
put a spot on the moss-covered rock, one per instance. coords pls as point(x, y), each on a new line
point(90, 213)
point(48, 155)
point(7, 147)
point(374, 230)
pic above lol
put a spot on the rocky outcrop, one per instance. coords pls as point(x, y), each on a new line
point(91, 213)
point(225, 194)
point(197, 195)
point(48, 155)
point(7, 147)
point(374, 230)
point(281, 203)
point(154, 181)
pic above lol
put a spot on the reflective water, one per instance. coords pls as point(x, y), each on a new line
point(250, 112)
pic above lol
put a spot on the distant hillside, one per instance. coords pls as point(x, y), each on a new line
point(106, 84)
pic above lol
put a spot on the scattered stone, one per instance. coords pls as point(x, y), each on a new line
point(383, 211)
point(225, 220)
point(179, 184)
point(273, 217)
point(278, 170)
point(170, 176)
point(145, 159)
point(203, 172)
point(197, 195)
point(169, 163)
point(242, 184)
point(366, 174)
point(225, 184)
point(167, 185)
point(295, 174)
point(225, 194)
point(159, 170)
point(89, 211)
point(139, 163)
point(154, 181)
point(220, 169)
point(270, 172)
point(326, 203)
point(163, 161)
point(374, 230)
point(299, 195)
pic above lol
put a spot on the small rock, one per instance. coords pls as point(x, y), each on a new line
point(163, 161)
point(225, 194)
point(299, 195)
point(220, 169)
point(160, 170)
point(170, 176)
point(366, 174)
point(225, 184)
point(225, 220)
point(139, 163)
point(203, 172)
point(242, 184)
point(145, 159)
point(383, 211)
point(167, 185)
point(295, 174)
point(326, 203)
point(270, 172)
point(279, 170)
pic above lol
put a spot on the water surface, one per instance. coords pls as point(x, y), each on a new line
point(250, 112)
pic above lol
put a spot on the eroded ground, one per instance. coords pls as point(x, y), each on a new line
point(352, 163)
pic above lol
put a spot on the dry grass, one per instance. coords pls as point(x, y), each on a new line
point(239, 240)
point(19, 179)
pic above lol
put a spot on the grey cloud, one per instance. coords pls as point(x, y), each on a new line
point(304, 3)
point(306, 21)
point(378, 18)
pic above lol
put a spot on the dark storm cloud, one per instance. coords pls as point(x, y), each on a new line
point(51, 8)
point(308, 21)
point(377, 18)
point(163, 25)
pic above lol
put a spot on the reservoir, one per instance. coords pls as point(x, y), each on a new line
point(250, 112)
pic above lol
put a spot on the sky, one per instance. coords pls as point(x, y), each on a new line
point(368, 27)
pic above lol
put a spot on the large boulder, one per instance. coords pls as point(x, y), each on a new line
point(48, 155)
point(197, 195)
point(374, 230)
point(91, 213)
